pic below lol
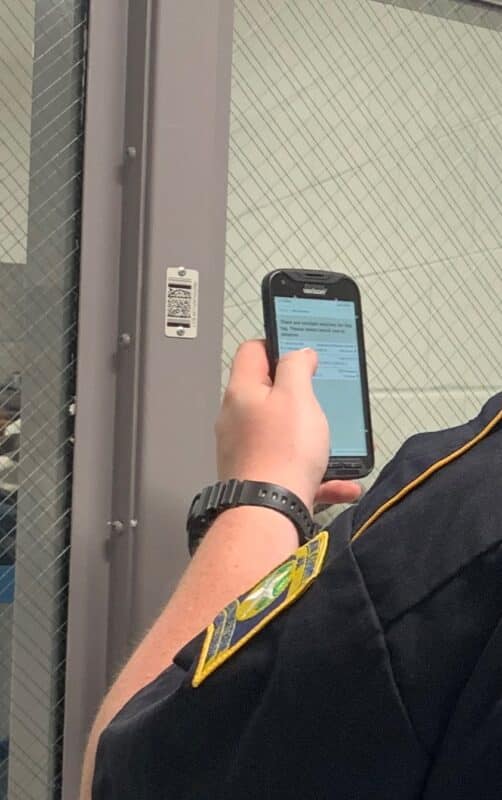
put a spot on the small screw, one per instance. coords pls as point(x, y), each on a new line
point(116, 525)
point(180, 331)
point(125, 339)
point(182, 271)
point(131, 152)
point(133, 523)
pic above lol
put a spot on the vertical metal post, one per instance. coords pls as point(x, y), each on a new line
point(135, 191)
point(184, 225)
point(86, 680)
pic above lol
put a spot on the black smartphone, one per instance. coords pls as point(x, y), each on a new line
point(322, 310)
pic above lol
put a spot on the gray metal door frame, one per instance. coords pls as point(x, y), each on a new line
point(96, 380)
point(184, 225)
point(155, 175)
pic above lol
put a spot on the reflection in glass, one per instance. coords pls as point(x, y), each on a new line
point(10, 430)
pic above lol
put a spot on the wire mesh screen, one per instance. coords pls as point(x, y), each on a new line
point(41, 88)
point(366, 139)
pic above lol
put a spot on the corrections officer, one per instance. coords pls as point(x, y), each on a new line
point(366, 664)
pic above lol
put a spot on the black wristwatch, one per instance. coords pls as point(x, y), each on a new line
point(212, 500)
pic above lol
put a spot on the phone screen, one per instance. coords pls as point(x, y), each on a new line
point(330, 328)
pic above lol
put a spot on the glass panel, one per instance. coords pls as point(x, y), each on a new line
point(16, 65)
point(41, 69)
point(366, 138)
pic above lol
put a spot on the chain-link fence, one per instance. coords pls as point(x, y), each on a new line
point(41, 88)
point(366, 138)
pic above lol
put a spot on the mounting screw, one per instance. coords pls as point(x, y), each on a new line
point(182, 271)
point(180, 331)
point(125, 339)
point(131, 152)
point(116, 525)
point(133, 523)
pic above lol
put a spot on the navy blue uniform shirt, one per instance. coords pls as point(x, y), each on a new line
point(383, 680)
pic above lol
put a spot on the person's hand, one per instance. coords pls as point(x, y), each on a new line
point(277, 432)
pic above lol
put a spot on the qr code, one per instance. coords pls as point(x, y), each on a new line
point(179, 301)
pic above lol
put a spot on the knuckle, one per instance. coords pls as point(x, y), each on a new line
point(234, 401)
point(298, 355)
point(230, 396)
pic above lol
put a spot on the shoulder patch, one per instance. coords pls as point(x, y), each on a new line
point(246, 616)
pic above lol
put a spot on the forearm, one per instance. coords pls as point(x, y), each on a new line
point(241, 547)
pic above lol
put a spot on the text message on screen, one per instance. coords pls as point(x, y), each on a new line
point(330, 328)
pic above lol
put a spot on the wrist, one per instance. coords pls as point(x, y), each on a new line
point(213, 500)
point(259, 525)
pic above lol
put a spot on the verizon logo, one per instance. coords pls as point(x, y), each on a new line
point(320, 290)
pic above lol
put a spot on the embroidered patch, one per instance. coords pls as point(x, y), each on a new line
point(246, 616)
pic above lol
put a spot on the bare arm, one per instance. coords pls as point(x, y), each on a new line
point(265, 432)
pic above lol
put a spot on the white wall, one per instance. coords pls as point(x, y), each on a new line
point(368, 139)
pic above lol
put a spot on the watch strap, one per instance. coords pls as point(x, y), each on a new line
point(212, 500)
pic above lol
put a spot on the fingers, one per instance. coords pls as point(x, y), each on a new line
point(250, 365)
point(338, 492)
point(296, 369)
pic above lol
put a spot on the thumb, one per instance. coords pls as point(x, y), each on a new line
point(339, 492)
point(296, 369)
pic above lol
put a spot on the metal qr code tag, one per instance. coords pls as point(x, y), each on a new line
point(182, 301)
